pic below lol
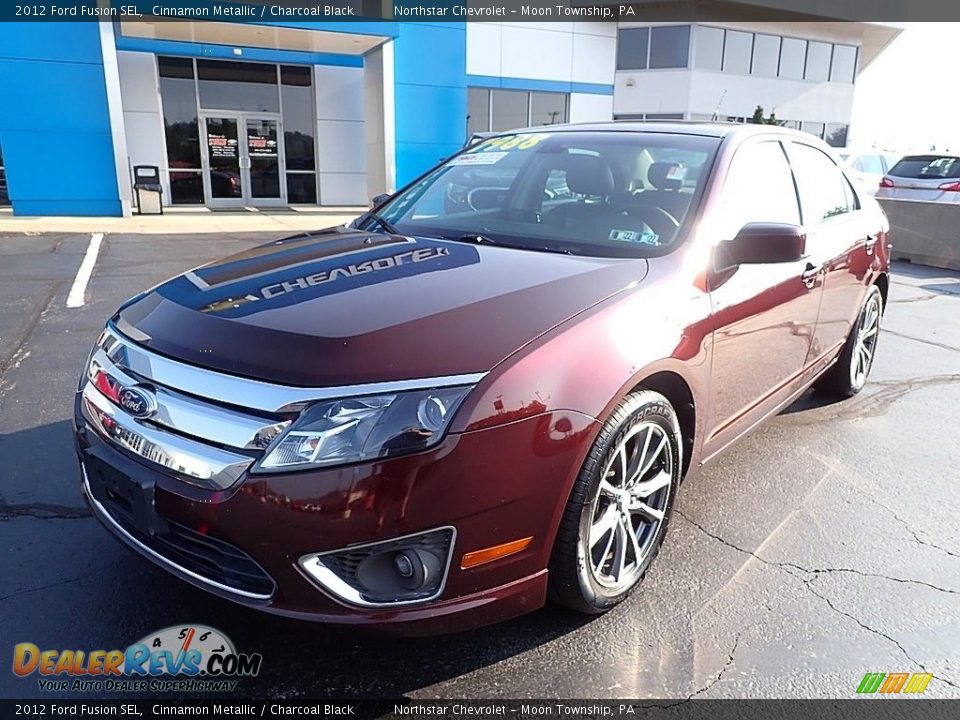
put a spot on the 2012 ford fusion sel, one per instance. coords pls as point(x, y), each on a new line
point(485, 392)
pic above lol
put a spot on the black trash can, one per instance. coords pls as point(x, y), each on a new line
point(146, 186)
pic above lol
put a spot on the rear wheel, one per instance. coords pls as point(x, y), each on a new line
point(617, 514)
point(848, 376)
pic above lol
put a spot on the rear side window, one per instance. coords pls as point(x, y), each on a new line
point(869, 164)
point(935, 167)
point(759, 188)
point(824, 190)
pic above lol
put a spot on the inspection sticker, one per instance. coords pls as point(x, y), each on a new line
point(646, 237)
point(484, 158)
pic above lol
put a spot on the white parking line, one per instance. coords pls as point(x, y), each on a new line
point(78, 291)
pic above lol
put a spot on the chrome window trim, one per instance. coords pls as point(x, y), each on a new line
point(101, 512)
point(256, 394)
point(328, 581)
point(216, 468)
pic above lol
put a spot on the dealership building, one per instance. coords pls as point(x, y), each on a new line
point(284, 113)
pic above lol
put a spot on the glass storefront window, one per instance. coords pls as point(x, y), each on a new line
point(178, 94)
point(737, 51)
point(669, 47)
point(547, 108)
point(296, 89)
point(302, 188)
point(818, 61)
point(766, 55)
point(478, 110)
point(186, 187)
point(793, 54)
point(708, 49)
point(632, 46)
point(844, 66)
point(509, 109)
point(836, 135)
point(230, 85)
point(4, 193)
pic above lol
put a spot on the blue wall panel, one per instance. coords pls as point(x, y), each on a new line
point(54, 122)
point(430, 95)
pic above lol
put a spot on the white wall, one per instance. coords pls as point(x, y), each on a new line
point(564, 52)
point(142, 115)
point(586, 107)
point(341, 142)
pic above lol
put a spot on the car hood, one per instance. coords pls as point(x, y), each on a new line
point(348, 307)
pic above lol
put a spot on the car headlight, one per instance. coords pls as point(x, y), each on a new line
point(337, 432)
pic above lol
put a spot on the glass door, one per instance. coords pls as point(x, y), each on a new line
point(222, 180)
point(243, 160)
point(263, 165)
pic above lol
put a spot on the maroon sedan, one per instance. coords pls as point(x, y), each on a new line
point(486, 392)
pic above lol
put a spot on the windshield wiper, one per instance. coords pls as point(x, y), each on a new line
point(475, 238)
point(379, 220)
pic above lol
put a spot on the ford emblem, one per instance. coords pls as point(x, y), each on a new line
point(137, 402)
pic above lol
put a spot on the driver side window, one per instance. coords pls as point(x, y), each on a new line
point(759, 187)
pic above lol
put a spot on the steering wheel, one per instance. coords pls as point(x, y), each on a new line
point(657, 219)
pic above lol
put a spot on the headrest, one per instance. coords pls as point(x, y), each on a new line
point(666, 175)
point(589, 175)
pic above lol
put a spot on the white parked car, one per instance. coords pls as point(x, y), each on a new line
point(933, 178)
point(867, 168)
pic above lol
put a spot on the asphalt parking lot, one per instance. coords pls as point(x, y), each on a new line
point(824, 546)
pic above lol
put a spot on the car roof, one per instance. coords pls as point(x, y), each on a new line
point(677, 127)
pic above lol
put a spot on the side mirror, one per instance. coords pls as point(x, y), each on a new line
point(758, 243)
point(379, 200)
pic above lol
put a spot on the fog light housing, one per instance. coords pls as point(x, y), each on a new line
point(400, 571)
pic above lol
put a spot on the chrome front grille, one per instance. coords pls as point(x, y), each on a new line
point(207, 426)
point(192, 429)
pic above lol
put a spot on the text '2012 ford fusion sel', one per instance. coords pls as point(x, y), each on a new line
point(485, 392)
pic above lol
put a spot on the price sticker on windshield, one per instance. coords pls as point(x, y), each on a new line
point(514, 142)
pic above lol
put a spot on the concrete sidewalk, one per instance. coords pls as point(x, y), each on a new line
point(191, 221)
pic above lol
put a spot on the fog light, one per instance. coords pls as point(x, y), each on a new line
point(403, 565)
point(399, 571)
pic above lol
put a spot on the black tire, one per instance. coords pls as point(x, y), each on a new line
point(844, 379)
point(572, 583)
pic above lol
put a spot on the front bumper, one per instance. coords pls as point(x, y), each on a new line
point(493, 486)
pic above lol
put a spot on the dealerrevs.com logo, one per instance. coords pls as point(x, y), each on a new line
point(181, 658)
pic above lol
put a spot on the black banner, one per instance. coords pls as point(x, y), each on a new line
point(888, 709)
point(472, 10)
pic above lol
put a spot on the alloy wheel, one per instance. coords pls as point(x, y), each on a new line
point(629, 508)
point(866, 342)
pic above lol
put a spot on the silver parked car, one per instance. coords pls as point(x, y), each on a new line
point(867, 168)
point(933, 178)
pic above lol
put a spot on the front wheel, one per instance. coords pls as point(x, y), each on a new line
point(848, 376)
point(617, 514)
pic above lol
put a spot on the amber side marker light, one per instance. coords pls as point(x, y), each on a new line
point(482, 557)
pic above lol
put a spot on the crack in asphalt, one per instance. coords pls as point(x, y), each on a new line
point(710, 683)
point(808, 583)
point(43, 511)
point(815, 573)
point(934, 343)
point(909, 529)
point(723, 670)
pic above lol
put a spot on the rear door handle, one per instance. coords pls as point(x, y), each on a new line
point(810, 273)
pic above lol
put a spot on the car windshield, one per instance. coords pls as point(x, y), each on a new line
point(935, 167)
point(612, 194)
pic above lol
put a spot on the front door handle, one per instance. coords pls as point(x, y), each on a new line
point(810, 273)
